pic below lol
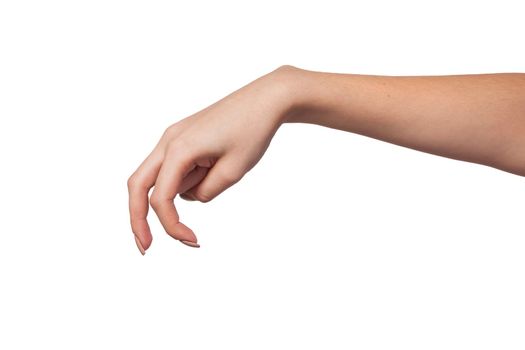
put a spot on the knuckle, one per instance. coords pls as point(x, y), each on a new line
point(203, 196)
point(132, 181)
point(169, 132)
point(155, 201)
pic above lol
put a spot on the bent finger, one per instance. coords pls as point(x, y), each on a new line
point(139, 185)
point(192, 179)
point(221, 176)
point(177, 164)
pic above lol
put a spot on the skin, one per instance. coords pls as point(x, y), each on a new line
point(476, 118)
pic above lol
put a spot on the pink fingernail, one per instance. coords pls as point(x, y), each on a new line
point(190, 244)
point(139, 245)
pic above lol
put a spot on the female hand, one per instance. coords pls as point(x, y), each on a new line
point(204, 154)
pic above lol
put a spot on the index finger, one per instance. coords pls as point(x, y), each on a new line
point(139, 185)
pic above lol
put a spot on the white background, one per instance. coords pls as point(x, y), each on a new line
point(333, 241)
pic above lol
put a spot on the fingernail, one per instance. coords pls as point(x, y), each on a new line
point(190, 244)
point(186, 197)
point(139, 245)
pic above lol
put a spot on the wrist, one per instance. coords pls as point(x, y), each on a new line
point(292, 84)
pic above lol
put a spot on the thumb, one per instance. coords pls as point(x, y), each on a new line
point(224, 173)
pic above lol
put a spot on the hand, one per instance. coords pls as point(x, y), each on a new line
point(204, 154)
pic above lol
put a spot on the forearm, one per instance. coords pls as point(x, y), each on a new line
point(476, 118)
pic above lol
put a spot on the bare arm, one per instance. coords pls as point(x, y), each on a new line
point(476, 118)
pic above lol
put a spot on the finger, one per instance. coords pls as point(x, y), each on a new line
point(187, 197)
point(191, 180)
point(139, 185)
point(177, 163)
point(222, 175)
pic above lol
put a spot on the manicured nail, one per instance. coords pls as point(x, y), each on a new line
point(190, 244)
point(139, 245)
